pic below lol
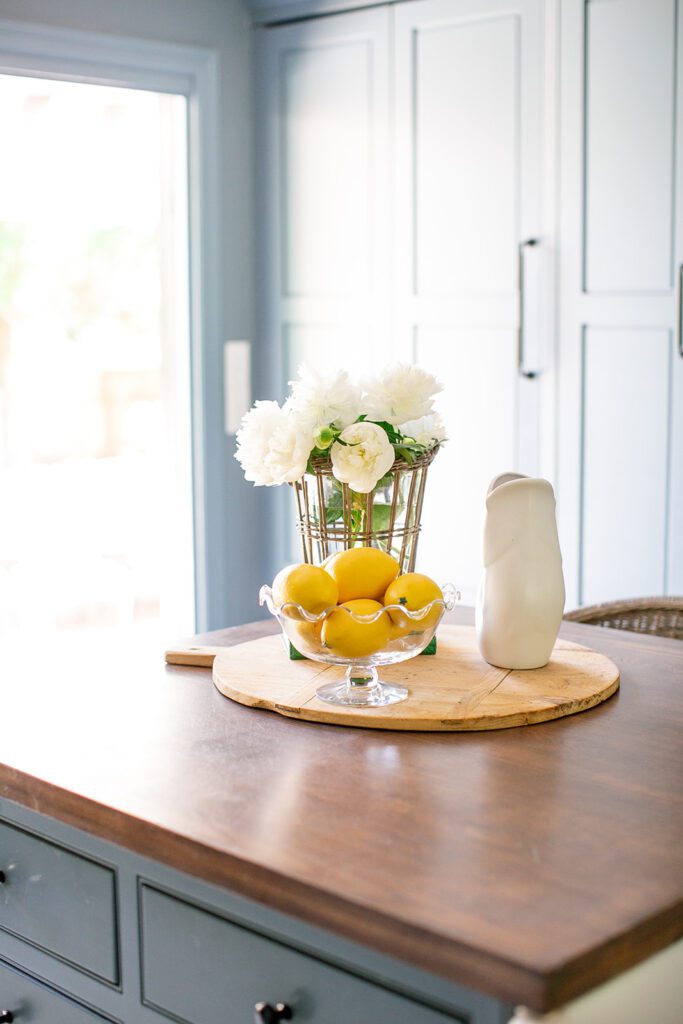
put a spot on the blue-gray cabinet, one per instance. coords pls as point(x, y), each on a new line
point(91, 932)
point(41, 879)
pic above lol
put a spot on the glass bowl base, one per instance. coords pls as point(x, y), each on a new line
point(361, 689)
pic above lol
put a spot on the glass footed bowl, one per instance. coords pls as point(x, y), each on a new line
point(400, 635)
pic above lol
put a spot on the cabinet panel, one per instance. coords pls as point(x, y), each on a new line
point(59, 901)
point(314, 344)
point(325, 239)
point(466, 89)
point(473, 365)
point(675, 567)
point(471, 158)
point(630, 78)
point(29, 1000)
point(625, 429)
point(325, 160)
point(675, 564)
point(200, 968)
point(326, 146)
point(619, 382)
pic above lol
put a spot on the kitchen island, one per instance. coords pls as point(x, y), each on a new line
point(168, 854)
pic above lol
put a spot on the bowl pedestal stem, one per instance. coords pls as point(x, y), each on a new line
point(361, 688)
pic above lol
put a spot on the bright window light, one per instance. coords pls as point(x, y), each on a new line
point(95, 441)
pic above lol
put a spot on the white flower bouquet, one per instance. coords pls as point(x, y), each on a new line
point(356, 454)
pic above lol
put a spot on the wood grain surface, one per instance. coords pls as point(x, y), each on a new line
point(531, 864)
point(454, 690)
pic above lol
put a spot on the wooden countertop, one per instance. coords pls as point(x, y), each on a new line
point(531, 863)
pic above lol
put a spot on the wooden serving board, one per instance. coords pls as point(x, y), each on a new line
point(452, 691)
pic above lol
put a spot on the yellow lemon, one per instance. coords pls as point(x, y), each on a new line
point(305, 636)
point(413, 591)
point(362, 572)
point(307, 585)
point(344, 636)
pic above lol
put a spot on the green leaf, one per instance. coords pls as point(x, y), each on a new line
point(334, 507)
point(394, 435)
point(357, 516)
point(333, 513)
point(403, 452)
point(381, 516)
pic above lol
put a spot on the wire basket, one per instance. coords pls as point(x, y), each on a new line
point(331, 517)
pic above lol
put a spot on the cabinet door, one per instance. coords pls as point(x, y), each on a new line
point(199, 968)
point(28, 999)
point(674, 560)
point(59, 901)
point(324, 234)
point(621, 384)
point(325, 156)
point(470, 172)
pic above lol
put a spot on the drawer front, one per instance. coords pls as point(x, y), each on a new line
point(59, 901)
point(30, 1000)
point(202, 969)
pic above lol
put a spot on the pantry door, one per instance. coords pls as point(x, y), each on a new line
point(473, 182)
point(325, 264)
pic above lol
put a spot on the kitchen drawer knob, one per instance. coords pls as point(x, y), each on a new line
point(6, 1017)
point(264, 1013)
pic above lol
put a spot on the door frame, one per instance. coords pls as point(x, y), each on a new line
point(193, 72)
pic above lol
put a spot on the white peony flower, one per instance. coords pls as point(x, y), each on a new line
point(364, 459)
point(428, 430)
point(325, 399)
point(400, 393)
point(273, 444)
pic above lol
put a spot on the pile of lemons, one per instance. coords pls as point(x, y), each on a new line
point(364, 580)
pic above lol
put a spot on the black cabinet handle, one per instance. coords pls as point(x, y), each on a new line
point(2, 880)
point(6, 1017)
point(264, 1013)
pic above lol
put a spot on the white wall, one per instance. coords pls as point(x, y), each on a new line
point(234, 509)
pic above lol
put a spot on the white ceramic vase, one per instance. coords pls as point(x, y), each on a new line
point(521, 593)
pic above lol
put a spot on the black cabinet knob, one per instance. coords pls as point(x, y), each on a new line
point(264, 1013)
point(6, 1017)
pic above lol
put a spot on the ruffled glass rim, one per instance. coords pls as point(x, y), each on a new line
point(285, 610)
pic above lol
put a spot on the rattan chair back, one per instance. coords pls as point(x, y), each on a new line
point(658, 616)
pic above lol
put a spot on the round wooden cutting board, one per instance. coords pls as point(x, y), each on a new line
point(452, 690)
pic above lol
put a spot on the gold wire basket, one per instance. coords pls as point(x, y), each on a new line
point(331, 517)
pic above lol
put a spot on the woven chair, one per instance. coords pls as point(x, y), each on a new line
point(658, 616)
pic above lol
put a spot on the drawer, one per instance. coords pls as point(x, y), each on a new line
point(30, 1000)
point(199, 968)
point(59, 901)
